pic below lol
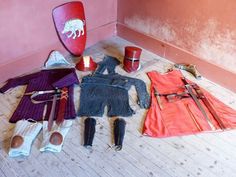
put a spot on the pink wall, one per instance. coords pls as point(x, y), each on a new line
point(202, 32)
point(27, 32)
point(205, 28)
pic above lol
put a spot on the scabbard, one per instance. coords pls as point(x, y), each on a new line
point(52, 112)
point(157, 95)
point(209, 106)
point(195, 99)
point(62, 106)
point(193, 118)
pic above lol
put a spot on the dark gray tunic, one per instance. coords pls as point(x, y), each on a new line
point(99, 90)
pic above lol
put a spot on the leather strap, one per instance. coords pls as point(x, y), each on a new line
point(62, 106)
point(193, 117)
point(34, 94)
point(156, 93)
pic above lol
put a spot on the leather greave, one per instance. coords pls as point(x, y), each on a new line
point(119, 133)
point(89, 131)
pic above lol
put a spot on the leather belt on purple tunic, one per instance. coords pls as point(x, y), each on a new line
point(58, 94)
point(37, 93)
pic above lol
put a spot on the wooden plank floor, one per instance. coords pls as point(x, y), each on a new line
point(205, 155)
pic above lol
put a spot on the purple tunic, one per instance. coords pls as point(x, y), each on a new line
point(43, 80)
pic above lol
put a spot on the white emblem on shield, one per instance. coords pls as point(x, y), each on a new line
point(74, 26)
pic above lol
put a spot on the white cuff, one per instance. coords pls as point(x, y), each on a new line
point(27, 131)
point(62, 129)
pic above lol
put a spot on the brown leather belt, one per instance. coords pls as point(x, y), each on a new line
point(33, 95)
point(58, 94)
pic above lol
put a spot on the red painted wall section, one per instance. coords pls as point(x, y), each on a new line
point(205, 28)
point(27, 32)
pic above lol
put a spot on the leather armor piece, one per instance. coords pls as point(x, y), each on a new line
point(56, 138)
point(17, 141)
point(89, 131)
point(119, 133)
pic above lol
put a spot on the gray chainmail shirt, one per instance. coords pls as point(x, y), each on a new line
point(99, 90)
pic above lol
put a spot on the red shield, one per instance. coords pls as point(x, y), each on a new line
point(69, 20)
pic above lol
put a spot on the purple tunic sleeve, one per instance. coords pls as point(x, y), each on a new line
point(11, 83)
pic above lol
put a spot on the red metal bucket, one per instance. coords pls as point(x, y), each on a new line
point(132, 58)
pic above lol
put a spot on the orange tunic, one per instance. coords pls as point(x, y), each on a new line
point(182, 116)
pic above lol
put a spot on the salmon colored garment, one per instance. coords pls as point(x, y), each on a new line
point(175, 117)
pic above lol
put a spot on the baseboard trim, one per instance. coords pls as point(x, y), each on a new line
point(211, 71)
point(100, 33)
point(35, 60)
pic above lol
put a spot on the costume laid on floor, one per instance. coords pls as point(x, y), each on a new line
point(42, 81)
point(48, 96)
point(99, 90)
point(181, 115)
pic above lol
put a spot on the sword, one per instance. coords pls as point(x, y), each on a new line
point(194, 97)
point(209, 106)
